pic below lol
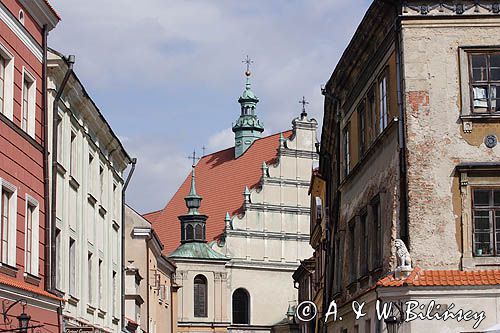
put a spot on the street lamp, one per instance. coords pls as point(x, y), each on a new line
point(24, 320)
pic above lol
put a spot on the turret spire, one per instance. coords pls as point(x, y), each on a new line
point(248, 127)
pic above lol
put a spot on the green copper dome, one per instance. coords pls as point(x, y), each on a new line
point(248, 127)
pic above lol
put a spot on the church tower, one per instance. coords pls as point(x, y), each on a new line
point(248, 127)
point(193, 223)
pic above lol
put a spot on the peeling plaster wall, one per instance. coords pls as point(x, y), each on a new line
point(436, 141)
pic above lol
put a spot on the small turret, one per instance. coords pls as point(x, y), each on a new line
point(193, 224)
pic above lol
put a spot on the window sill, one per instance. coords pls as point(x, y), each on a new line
point(60, 168)
point(32, 279)
point(102, 210)
point(115, 320)
point(73, 300)
point(90, 309)
point(73, 182)
point(8, 270)
point(481, 116)
point(91, 198)
point(476, 262)
point(101, 313)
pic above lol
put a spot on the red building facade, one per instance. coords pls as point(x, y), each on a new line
point(24, 25)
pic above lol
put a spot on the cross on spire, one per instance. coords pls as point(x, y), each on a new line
point(194, 158)
point(304, 103)
point(248, 62)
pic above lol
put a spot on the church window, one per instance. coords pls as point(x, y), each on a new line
point(189, 232)
point(200, 296)
point(241, 307)
point(486, 217)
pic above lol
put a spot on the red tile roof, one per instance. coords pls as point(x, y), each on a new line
point(220, 180)
point(425, 278)
point(15, 283)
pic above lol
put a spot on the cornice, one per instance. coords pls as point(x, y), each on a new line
point(411, 8)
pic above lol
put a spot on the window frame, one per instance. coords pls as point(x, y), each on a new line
point(10, 258)
point(245, 310)
point(361, 111)
point(8, 88)
point(488, 82)
point(492, 209)
point(347, 148)
point(30, 111)
point(31, 264)
point(383, 113)
point(196, 305)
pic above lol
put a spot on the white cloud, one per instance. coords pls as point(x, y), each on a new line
point(221, 140)
point(171, 70)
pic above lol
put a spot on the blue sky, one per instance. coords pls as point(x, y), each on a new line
point(167, 74)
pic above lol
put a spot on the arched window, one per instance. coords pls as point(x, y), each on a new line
point(241, 307)
point(189, 232)
point(200, 296)
point(198, 232)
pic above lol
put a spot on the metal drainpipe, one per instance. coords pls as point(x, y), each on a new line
point(129, 176)
point(70, 60)
point(46, 189)
point(403, 176)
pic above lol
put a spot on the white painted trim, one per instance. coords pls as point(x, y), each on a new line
point(31, 101)
point(11, 241)
point(35, 234)
point(8, 97)
point(16, 27)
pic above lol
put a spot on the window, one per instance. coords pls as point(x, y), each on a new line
point(352, 252)
point(486, 216)
point(21, 17)
point(100, 283)
point(377, 254)
point(72, 267)
point(364, 245)
point(91, 222)
point(31, 237)
point(59, 272)
point(362, 128)
point(3, 63)
point(485, 82)
point(91, 173)
point(73, 208)
point(372, 113)
point(383, 103)
point(28, 104)
point(200, 296)
point(101, 183)
point(241, 307)
point(90, 294)
point(59, 139)
point(60, 196)
point(198, 231)
point(73, 155)
point(368, 326)
point(8, 224)
point(347, 149)
point(114, 294)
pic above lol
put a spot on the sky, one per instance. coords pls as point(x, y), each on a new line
point(167, 74)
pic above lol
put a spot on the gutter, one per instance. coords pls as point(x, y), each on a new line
point(70, 60)
point(133, 161)
point(46, 177)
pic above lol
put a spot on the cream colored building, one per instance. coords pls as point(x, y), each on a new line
point(150, 291)
point(248, 230)
point(88, 205)
point(410, 153)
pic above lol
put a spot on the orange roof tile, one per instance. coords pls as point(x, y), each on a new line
point(220, 180)
point(424, 278)
point(15, 283)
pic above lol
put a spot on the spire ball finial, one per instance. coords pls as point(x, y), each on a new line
point(248, 73)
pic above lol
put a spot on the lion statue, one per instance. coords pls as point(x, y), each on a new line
point(403, 256)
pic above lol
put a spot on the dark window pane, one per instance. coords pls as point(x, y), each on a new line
point(481, 220)
point(495, 73)
point(481, 197)
point(495, 60)
point(479, 68)
point(496, 198)
point(495, 96)
point(200, 296)
point(497, 221)
point(240, 307)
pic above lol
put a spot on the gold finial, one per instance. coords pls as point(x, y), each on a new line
point(248, 61)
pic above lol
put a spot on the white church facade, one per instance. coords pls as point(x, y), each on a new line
point(245, 228)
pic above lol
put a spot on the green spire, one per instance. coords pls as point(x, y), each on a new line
point(193, 200)
point(248, 127)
